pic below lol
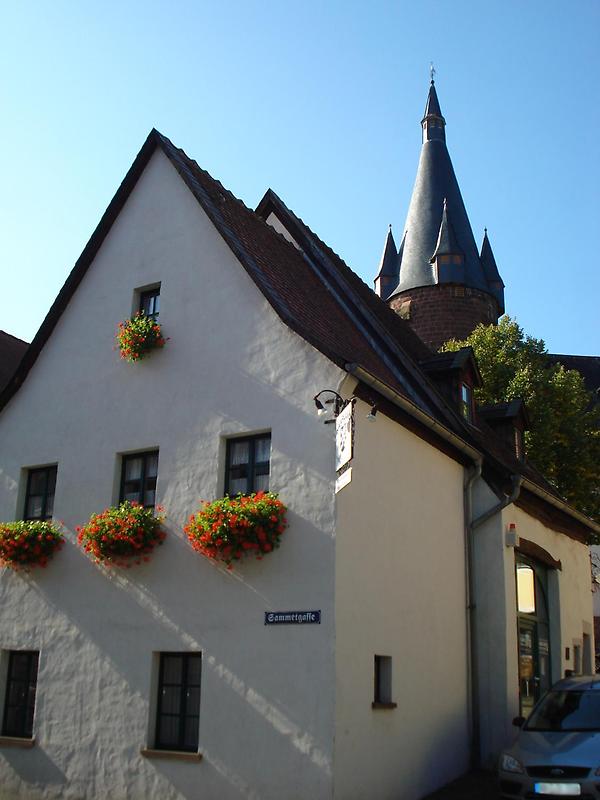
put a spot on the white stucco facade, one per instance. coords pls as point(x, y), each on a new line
point(230, 366)
point(400, 592)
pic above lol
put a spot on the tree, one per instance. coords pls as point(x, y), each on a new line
point(564, 440)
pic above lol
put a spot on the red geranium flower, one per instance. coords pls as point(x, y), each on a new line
point(233, 527)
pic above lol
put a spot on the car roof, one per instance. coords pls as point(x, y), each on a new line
point(578, 683)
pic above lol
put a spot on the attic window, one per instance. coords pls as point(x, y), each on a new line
point(150, 302)
point(466, 401)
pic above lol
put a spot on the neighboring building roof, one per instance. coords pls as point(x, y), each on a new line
point(435, 189)
point(12, 351)
point(588, 366)
point(314, 293)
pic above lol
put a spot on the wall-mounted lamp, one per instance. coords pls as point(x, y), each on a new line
point(372, 415)
point(335, 400)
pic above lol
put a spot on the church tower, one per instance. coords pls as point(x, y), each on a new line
point(438, 280)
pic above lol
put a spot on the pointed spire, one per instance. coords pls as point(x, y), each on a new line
point(426, 228)
point(446, 241)
point(433, 122)
point(388, 265)
point(490, 270)
point(387, 276)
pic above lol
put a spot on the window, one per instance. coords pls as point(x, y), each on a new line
point(138, 478)
point(39, 498)
point(150, 302)
point(382, 693)
point(178, 710)
point(519, 444)
point(466, 401)
point(247, 468)
point(19, 700)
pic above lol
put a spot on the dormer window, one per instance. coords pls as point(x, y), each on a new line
point(466, 401)
point(150, 302)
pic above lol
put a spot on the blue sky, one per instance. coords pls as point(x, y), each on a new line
point(320, 101)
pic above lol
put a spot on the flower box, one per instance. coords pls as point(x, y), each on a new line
point(30, 543)
point(233, 528)
point(138, 336)
point(122, 535)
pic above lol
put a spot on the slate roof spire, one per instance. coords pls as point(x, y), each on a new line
point(490, 269)
point(387, 275)
point(446, 243)
point(435, 193)
point(433, 122)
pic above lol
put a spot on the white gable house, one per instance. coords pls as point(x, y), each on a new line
point(382, 648)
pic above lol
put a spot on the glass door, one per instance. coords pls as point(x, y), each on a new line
point(533, 633)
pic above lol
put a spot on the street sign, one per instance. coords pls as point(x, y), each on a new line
point(292, 617)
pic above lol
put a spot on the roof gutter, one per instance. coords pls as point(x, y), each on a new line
point(561, 505)
point(414, 411)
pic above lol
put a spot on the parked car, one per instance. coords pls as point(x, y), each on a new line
point(557, 750)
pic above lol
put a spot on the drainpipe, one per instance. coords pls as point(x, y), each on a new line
point(472, 524)
point(471, 476)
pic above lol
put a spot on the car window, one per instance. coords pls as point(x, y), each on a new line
point(566, 711)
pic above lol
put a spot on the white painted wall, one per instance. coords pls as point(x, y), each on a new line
point(595, 550)
point(570, 609)
point(230, 366)
point(400, 592)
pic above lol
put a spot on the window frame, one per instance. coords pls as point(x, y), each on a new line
point(152, 293)
point(251, 463)
point(23, 730)
point(466, 405)
point(144, 455)
point(52, 468)
point(182, 713)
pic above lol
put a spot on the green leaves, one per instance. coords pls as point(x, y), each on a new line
point(564, 440)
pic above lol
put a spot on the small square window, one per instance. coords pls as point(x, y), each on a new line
point(178, 707)
point(150, 302)
point(39, 497)
point(248, 464)
point(139, 472)
point(382, 683)
point(19, 700)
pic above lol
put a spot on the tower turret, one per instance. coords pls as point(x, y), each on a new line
point(443, 288)
point(387, 276)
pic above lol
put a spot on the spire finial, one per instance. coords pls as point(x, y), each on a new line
point(432, 72)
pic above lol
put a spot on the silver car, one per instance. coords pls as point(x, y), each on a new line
point(557, 750)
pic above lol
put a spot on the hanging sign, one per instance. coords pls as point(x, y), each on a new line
point(344, 436)
point(343, 480)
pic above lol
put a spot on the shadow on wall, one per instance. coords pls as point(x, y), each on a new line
point(23, 764)
point(149, 598)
